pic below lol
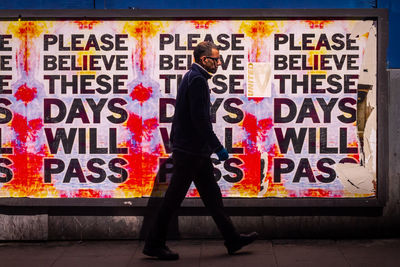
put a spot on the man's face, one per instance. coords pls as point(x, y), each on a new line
point(211, 63)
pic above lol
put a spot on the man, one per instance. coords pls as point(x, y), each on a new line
point(193, 141)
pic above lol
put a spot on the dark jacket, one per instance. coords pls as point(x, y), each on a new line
point(191, 130)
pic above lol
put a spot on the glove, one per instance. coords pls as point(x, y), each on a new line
point(222, 154)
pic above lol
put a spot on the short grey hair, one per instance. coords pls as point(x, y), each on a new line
point(203, 49)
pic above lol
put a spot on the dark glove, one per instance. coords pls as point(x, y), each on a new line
point(222, 154)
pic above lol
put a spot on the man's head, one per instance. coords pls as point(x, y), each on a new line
point(207, 55)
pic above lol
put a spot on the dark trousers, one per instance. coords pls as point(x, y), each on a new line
point(188, 168)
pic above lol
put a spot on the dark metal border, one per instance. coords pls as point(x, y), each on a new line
point(379, 15)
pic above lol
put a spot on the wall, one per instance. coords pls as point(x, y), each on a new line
point(64, 223)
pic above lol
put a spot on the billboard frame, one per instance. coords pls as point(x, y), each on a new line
point(379, 15)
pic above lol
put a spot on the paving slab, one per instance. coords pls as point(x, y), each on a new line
point(97, 253)
point(189, 253)
point(214, 254)
point(371, 253)
point(306, 253)
point(205, 253)
point(29, 254)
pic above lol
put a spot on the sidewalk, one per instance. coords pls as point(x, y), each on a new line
point(209, 253)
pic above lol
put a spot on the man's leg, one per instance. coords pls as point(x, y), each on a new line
point(211, 195)
point(175, 194)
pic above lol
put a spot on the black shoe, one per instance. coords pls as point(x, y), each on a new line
point(243, 240)
point(162, 253)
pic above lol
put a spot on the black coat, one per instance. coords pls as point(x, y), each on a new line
point(191, 130)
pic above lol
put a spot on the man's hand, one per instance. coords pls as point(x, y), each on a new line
point(222, 154)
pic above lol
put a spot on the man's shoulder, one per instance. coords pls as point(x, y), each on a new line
point(195, 74)
point(199, 70)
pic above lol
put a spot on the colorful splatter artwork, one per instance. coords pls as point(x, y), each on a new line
point(86, 106)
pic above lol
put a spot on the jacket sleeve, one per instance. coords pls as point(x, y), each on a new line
point(199, 101)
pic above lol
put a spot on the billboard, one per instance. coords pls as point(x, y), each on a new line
point(86, 106)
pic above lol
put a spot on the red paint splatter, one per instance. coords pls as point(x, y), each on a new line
point(250, 184)
point(256, 99)
point(86, 193)
point(317, 24)
point(27, 166)
point(142, 165)
point(24, 129)
point(317, 192)
point(265, 125)
point(26, 31)
point(142, 31)
point(86, 24)
point(202, 24)
point(141, 129)
point(193, 193)
point(274, 188)
point(141, 93)
point(27, 180)
point(354, 156)
point(25, 93)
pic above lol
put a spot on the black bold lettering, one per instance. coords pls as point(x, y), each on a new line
point(77, 111)
point(6, 114)
point(290, 137)
point(115, 166)
point(279, 170)
point(327, 108)
point(323, 142)
point(74, 170)
point(330, 171)
point(344, 149)
point(49, 170)
point(165, 140)
point(96, 108)
point(233, 169)
point(229, 143)
point(304, 170)
point(347, 109)
point(53, 141)
point(49, 39)
point(213, 109)
point(233, 110)
point(112, 140)
point(123, 114)
point(278, 117)
point(166, 62)
point(163, 105)
point(165, 39)
point(279, 39)
point(218, 81)
point(6, 173)
point(91, 165)
point(307, 111)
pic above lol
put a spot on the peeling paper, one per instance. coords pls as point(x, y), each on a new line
point(264, 170)
point(361, 179)
point(355, 178)
point(370, 143)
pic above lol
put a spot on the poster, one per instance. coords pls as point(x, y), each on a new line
point(86, 106)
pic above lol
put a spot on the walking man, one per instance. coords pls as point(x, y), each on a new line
point(193, 141)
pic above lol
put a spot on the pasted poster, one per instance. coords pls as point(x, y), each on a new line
point(86, 106)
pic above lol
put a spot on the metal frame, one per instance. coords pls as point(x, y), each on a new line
point(379, 15)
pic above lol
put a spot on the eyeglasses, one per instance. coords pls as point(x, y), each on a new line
point(214, 58)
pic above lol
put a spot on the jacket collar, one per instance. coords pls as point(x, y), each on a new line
point(202, 70)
